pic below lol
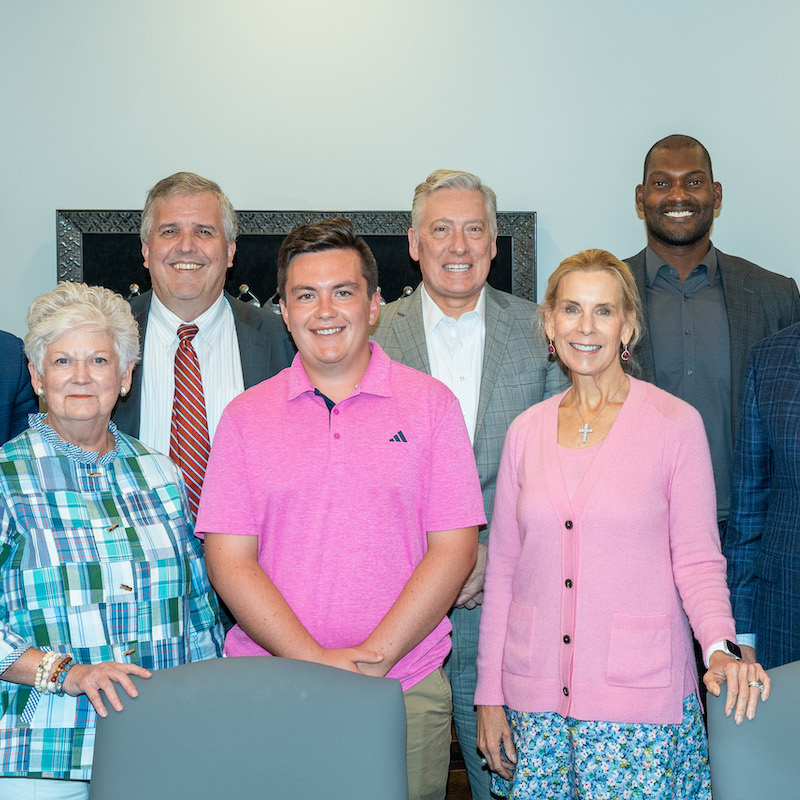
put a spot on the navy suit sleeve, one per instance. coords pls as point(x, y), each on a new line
point(751, 482)
point(18, 395)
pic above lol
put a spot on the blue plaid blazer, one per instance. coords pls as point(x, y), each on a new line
point(762, 543)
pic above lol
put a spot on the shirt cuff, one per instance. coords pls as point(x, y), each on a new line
point(746, 639)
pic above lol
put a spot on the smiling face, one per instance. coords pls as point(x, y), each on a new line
point(678, 197)
point(81, 380)
point(187, 254)
point(455, 246)
point(588, 323)
point(329, 314)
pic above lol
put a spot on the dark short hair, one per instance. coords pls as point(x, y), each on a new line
point(677, 141)
point(333, 233)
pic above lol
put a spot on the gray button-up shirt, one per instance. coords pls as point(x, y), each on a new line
point(692, 351)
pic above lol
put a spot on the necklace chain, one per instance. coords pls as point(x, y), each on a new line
point(587, 429)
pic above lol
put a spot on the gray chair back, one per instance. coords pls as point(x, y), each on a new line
point(254, 728)
point(759, 758)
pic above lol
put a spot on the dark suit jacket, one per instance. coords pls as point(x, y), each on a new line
point(758, 303)
point(264, 346)
point(17, 399)
point(516, 370)
point(762, 543)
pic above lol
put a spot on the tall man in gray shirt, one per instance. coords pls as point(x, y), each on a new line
point(704, 308)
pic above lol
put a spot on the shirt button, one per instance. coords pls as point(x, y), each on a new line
point(460, 344)
point(686, 297)
point(566, 691)
point(566, 640)
point(335, 435)
point(462, 378)
point(690, 372)
point(568, 583)
point(568, 524)
point(336, 411)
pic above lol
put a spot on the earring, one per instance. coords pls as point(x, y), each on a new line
point(625, 356)
point(123, 391)
point(40, 391)
point(551, 348)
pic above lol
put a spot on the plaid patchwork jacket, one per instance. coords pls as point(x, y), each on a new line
point(98, 560)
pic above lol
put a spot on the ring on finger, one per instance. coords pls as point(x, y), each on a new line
point(756, 684)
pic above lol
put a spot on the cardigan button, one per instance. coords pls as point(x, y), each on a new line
point(568, 583)
point(568, 524)
point(566, 691)
point(567, 640)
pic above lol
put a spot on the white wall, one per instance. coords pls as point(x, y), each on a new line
point(312, 104)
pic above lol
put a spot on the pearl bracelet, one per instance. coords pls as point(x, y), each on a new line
point(43, 672)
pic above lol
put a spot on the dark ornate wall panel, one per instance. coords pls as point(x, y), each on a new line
point(102, 247)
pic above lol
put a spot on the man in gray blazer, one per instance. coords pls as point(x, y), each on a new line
point(704, 308)
point(188, 234)
point(481, 343)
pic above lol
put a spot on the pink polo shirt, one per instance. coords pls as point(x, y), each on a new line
point(342, 501)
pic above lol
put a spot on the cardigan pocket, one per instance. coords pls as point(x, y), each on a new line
point(519, 639)
point(640, 651)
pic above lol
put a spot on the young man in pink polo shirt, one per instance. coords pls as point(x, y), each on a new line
point(341, 502)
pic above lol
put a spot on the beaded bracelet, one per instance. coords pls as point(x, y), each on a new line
point(43, 672)
point(53, 680)
point(59, 690)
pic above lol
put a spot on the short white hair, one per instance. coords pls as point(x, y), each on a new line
point(72, 305)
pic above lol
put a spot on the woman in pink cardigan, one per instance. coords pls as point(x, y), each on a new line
point(604, 540)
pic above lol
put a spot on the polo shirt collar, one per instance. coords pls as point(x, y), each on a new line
point(375, 381)
point(653, 263)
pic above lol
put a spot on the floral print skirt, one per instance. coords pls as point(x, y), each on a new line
point(560, 757)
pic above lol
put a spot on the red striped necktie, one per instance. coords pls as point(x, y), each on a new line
point(189, 444)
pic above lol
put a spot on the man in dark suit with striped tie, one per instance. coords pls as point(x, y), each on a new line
point(188, 234)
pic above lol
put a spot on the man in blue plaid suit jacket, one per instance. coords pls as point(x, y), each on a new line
point(441, 329)
point(762, 543)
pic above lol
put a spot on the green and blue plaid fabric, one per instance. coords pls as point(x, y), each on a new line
point(98, 560)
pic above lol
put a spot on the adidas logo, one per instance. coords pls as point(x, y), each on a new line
point(398, 437)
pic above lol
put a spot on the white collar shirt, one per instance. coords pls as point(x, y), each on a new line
point(455, 352)
point(217, 348)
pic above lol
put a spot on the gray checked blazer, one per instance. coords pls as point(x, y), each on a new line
point(758, 303)
point(264, 346)
point(516, 370)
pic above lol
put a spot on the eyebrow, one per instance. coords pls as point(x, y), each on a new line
point(166, 225)
point(452, 221)
point(656, 172)
point(344, 285)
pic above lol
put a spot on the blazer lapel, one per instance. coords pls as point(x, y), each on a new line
point(495, 342)
point(410, 331)
point(739, 306)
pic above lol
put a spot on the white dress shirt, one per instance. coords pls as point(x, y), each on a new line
point(217, 349)
point(455, 352)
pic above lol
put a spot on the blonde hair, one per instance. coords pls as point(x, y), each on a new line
point(71, 305)
point(596, 260)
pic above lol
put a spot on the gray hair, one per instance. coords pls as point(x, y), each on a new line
point(188, 183)
point(71, 305)
point(452, 179)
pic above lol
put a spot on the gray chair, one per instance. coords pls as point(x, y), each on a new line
point(759, 758)
point(254, 728)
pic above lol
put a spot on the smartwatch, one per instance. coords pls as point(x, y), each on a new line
point(731, 649)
